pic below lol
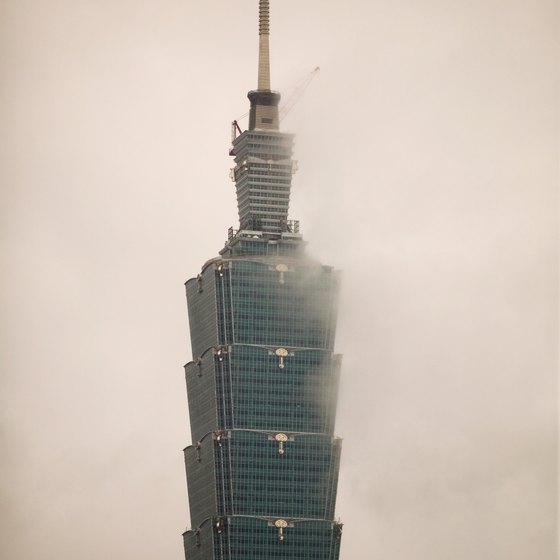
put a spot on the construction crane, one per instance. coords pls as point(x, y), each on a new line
point(297, 93)
point(234, 130)
point(284, 109)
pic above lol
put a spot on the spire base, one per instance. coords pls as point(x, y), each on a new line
point(264, 110)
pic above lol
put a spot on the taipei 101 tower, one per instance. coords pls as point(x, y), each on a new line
point(262, 471)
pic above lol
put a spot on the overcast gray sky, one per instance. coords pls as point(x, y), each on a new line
point(429, 166)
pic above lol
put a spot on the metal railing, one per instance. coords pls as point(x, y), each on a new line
point(289, 226)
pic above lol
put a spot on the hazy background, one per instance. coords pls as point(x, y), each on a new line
point(428, 151)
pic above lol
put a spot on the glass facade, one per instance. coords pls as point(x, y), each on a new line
point(262, 471)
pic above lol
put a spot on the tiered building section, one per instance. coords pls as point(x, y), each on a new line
point(262, 472)
point(263, 178)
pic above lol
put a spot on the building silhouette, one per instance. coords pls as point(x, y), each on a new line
point(262, 472)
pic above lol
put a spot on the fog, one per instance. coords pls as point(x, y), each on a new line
point(428, 150)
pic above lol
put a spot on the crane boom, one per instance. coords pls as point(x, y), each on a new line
point(298, 92)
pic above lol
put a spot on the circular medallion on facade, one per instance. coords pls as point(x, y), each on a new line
point(282, 352)
point(282, 268)
point(281, 437)
point(281, 523)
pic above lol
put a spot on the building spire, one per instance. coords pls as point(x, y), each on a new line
point(264, 101)
point(264, 45)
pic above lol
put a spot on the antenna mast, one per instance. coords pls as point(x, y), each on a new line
point(264, 101)
point(264, 45)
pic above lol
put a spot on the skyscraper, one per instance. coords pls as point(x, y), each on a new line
point(262, 472)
